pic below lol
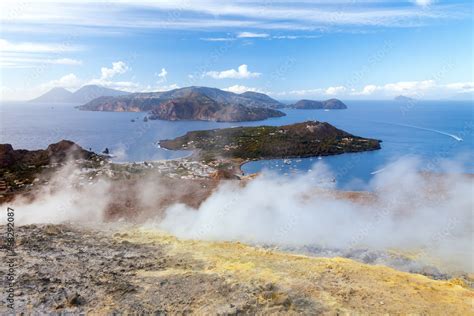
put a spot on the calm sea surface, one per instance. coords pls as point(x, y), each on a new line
point(432, 130)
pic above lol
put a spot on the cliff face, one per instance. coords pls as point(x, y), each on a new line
point(118, 104)
point(199, 107)
point(331, 104)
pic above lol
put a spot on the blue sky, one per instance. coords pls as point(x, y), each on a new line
point(370, 49)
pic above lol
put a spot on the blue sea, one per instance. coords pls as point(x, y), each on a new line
point(432, 130)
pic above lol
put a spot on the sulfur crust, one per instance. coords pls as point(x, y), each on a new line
point(341, 284)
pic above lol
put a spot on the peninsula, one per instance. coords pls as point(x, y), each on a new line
point(305, 139)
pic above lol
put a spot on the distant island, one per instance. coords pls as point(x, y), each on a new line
point(85, 94)
point(331, 104)
point(305, 139)
point(192, 103)
point(402, 98)
point(202, 108)
point(189, 103)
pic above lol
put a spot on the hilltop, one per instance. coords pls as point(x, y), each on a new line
point(82, 95)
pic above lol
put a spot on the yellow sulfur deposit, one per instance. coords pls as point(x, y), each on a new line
point(340, 285)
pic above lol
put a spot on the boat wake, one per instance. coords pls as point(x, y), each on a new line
point(378, 171)
point(457, 138)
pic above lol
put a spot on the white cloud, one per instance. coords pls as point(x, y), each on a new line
point(29, 47)
point(418, 89)
point(67, 15)
point(335, 90)
point(150, 88)
point(66, 61)
point(70, 81)
point(241, 73)
point(367, 90)
point(24, 61)
point(30, 54)
point(252, 35)
point(300, 93)
point(120, 85)
point(163, 74)
point(244, 35)
point(409, 86)
point(423, 3)
point(461, 86)
point(118, 67)
point(241, 89)
point(217, 39)
point(293, 37)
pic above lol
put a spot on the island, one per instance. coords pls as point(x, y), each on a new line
point(331, 104)
point(241, 144)
point(402, 98)
point(192, 103)
point(203, 108)
point(85, 94)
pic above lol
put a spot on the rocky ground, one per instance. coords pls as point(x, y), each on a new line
point(113, 268)
point(119, 270)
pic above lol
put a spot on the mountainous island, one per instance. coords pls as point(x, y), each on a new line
point(331, 104)
point(305, 139)
point(143, 102)
point(200, 107)
point(402, 98)
point(83, 95)
point(192, 103)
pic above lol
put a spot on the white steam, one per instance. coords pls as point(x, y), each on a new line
point(407, 210)
point(63, 201)
point(411, 212)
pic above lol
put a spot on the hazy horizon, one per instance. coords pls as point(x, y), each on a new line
point(311, 49)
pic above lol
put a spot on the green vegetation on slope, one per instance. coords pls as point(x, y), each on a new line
point(266, 142)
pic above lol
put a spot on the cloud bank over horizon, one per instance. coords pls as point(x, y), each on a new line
point(308, 49)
